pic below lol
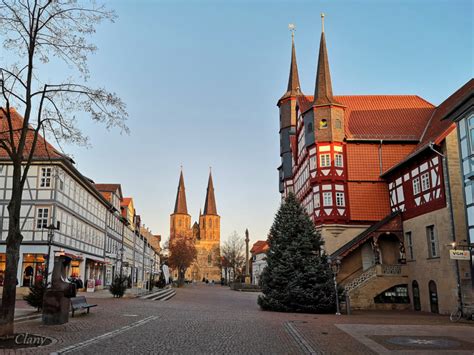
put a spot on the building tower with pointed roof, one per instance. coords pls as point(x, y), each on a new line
point(180, 220)
point(205, 234)
point(288, 115)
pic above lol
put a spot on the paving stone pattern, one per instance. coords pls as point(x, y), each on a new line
point(215, 320)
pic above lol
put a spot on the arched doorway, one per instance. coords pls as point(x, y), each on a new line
point(416, 296)
point(433, 297)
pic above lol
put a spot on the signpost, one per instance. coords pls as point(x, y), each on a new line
point(456, 254)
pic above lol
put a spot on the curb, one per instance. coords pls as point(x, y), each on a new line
point(26, 318)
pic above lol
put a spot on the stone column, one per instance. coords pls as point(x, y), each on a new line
point(247, 266)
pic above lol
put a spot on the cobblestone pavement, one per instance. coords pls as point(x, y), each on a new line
point(213, 319)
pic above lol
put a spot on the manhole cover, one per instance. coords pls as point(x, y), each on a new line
point(430, 342)
point(25, 340)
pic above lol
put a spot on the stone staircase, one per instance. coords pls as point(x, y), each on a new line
point(161, 295)
point(364, 287)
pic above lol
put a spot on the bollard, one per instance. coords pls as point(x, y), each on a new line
point(348, 304)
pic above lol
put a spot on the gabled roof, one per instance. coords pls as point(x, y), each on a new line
point(109, 188)
point(437, 128)
point(259, 247)
point(125, 201)
point(387, 117)
point(43, 149)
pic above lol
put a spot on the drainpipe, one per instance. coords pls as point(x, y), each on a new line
point(451, 217)
point(380, 157)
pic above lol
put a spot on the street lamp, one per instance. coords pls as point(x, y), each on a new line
point(51, 228)
point(335, 267)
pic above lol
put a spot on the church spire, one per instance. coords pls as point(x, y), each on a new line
point(180, 206)
point(210, 204)
point(293, 88)
point(323, 89)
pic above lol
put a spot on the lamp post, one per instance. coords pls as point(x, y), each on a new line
point(51, 228)
point(247, 266)
point(335, 267)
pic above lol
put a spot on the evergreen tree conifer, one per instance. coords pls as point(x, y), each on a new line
point(297, 277)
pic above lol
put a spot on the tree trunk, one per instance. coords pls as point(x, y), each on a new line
point(181, 277)
point(14, 240)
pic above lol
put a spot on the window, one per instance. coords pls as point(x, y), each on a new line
point(325, 160)
point(470, 122)
point(340, 199)
point(425, 181)
point(309, 128)
point(42, 215)
point(338, 124)
point(432, 242)
point(416, 186)
point(323, 124)
point(396, 294)
point(327, 198)
point(45, 177)
point(209, 260)
point(338, 160)
point(409, 244)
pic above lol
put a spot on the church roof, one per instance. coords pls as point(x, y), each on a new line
point(210, 204)
point(180, 205)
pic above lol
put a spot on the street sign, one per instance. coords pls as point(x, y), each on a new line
point(459, 254)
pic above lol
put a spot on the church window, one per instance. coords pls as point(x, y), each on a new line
point(210, 223)
point(338, 160)
point(209, 260)
point(325, 160)
point(323, 124)
point(309, 128)
point(179, 223)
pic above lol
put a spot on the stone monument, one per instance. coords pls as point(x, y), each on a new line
point(56, 301)
point(247, 260)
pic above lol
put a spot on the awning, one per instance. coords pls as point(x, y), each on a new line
point(96, 260)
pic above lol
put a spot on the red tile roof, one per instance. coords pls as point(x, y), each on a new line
point(362, 196)
point(387, 117)
point(43, 149)
point(125, 201)
point(259, 247)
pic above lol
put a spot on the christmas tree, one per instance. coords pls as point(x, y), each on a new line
point(297, 277)
point(35, 297)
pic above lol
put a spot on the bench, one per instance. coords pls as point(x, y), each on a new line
point(80, 302)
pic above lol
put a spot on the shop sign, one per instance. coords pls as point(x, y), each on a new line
point(459, 254)
point(90, 285)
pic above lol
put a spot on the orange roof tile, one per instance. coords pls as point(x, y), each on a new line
point(362, 196)
point(259, 247)
point(388, 117)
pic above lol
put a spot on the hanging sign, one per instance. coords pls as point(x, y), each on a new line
point(459, 254)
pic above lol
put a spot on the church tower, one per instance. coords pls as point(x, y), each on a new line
point(208, 244)
point(289, 112)
point(180, 220)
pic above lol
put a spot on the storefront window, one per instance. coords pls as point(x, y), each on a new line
point(33, 269)
point(3, 261)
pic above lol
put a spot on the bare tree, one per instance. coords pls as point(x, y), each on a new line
point(36, 32)
point(182, 254)
point(233, 254)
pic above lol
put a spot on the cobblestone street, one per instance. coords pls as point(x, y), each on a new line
point(214, 319)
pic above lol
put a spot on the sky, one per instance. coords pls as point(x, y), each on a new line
point(201, 80)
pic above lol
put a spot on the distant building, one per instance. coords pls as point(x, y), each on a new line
point(375, 174)
point(259, 261)
point(205, 234)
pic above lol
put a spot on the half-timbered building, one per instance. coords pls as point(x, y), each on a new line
point(88, 226)
point(365, 167)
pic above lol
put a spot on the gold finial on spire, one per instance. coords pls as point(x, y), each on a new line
point(322, 22)
point(292, 28)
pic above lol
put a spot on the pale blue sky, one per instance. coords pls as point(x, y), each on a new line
point(201, 80)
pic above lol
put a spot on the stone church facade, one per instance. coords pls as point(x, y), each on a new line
point(205, 234)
